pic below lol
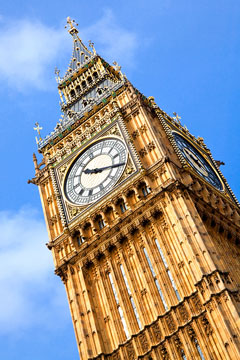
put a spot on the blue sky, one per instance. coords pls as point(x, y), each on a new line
point(184, 53)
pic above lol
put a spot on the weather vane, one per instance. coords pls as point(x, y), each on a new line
point(176, 117)
point(38, 128)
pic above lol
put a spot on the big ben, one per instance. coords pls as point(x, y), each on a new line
point(143, 227)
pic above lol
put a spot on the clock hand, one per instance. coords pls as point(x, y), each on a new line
point(97, 170)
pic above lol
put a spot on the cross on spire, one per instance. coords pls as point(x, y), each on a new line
point(176, 117)
point(38, 128)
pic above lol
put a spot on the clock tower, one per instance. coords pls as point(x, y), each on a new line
point(143, 227)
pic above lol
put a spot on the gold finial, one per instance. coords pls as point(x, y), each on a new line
point(71, 24)
point(176, 117)
point(59, 125)
point(91, 45)
point(117, 67)
point(57, 77)
point(38, 128)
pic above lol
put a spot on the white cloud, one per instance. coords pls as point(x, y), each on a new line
point(30, 49)
point(30, 295)
point(112, 41)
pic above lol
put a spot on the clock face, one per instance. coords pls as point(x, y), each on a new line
point(197, 161)
point(95, 171)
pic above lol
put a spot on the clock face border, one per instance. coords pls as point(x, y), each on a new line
point(202, 158)
point(104, 191)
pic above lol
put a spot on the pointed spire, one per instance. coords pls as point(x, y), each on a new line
point(81, 54)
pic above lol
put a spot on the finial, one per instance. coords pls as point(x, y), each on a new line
point(38, 128)
point(57, 71)
point(117, 67)
point(176, 117)
point(91, 45)
point(71, 26)
point(59, 125)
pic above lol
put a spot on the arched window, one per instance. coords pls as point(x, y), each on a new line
point(87, 230)
point(109, 214)
point(89, 79)
point(144, 189)
point(99, 91)
point(199, 349)
point(100, 222)
point(72, 93)
point(78, 89)
point(131, 197)
point(122, 205)
point(78, 238)
point(155, 279)
point(95, 75)
point(84, 84)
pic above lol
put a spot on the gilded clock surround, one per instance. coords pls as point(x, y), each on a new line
point(145, 267)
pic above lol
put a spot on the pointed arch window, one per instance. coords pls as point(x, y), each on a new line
point(168, 270)
point(72, 93)
point(89, 79)
point(130, 297)
point(95, 75)
point(155, 280)
point(124, 324)
point(199, 349)
point(183, 356)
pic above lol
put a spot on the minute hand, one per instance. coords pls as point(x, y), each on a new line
point(98, 170)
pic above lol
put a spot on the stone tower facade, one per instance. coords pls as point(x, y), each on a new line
point(143, 227)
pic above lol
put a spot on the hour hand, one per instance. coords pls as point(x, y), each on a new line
point(98, 170)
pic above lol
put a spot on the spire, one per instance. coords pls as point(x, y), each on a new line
point(81, 54)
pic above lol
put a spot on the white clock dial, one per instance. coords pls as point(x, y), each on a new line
point(95, 171)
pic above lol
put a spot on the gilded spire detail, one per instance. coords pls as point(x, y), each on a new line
point(81, 54)
point(38, 128)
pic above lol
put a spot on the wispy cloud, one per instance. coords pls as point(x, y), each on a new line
point(113, 41)
point(30, 49)
point(29, 292)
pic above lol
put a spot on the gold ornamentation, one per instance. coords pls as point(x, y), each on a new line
point(151, 146)
point(38, 129)
point(143, 152)
point(176, 117)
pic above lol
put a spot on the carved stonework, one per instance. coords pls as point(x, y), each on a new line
point(144, 342)
point(130, 351)
point(207, 326)
point(170, 323)
point(184, 313)
point(197, 304)
point(157, 332)
point(73, 211)
point(143, 152)
point(62, 171)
